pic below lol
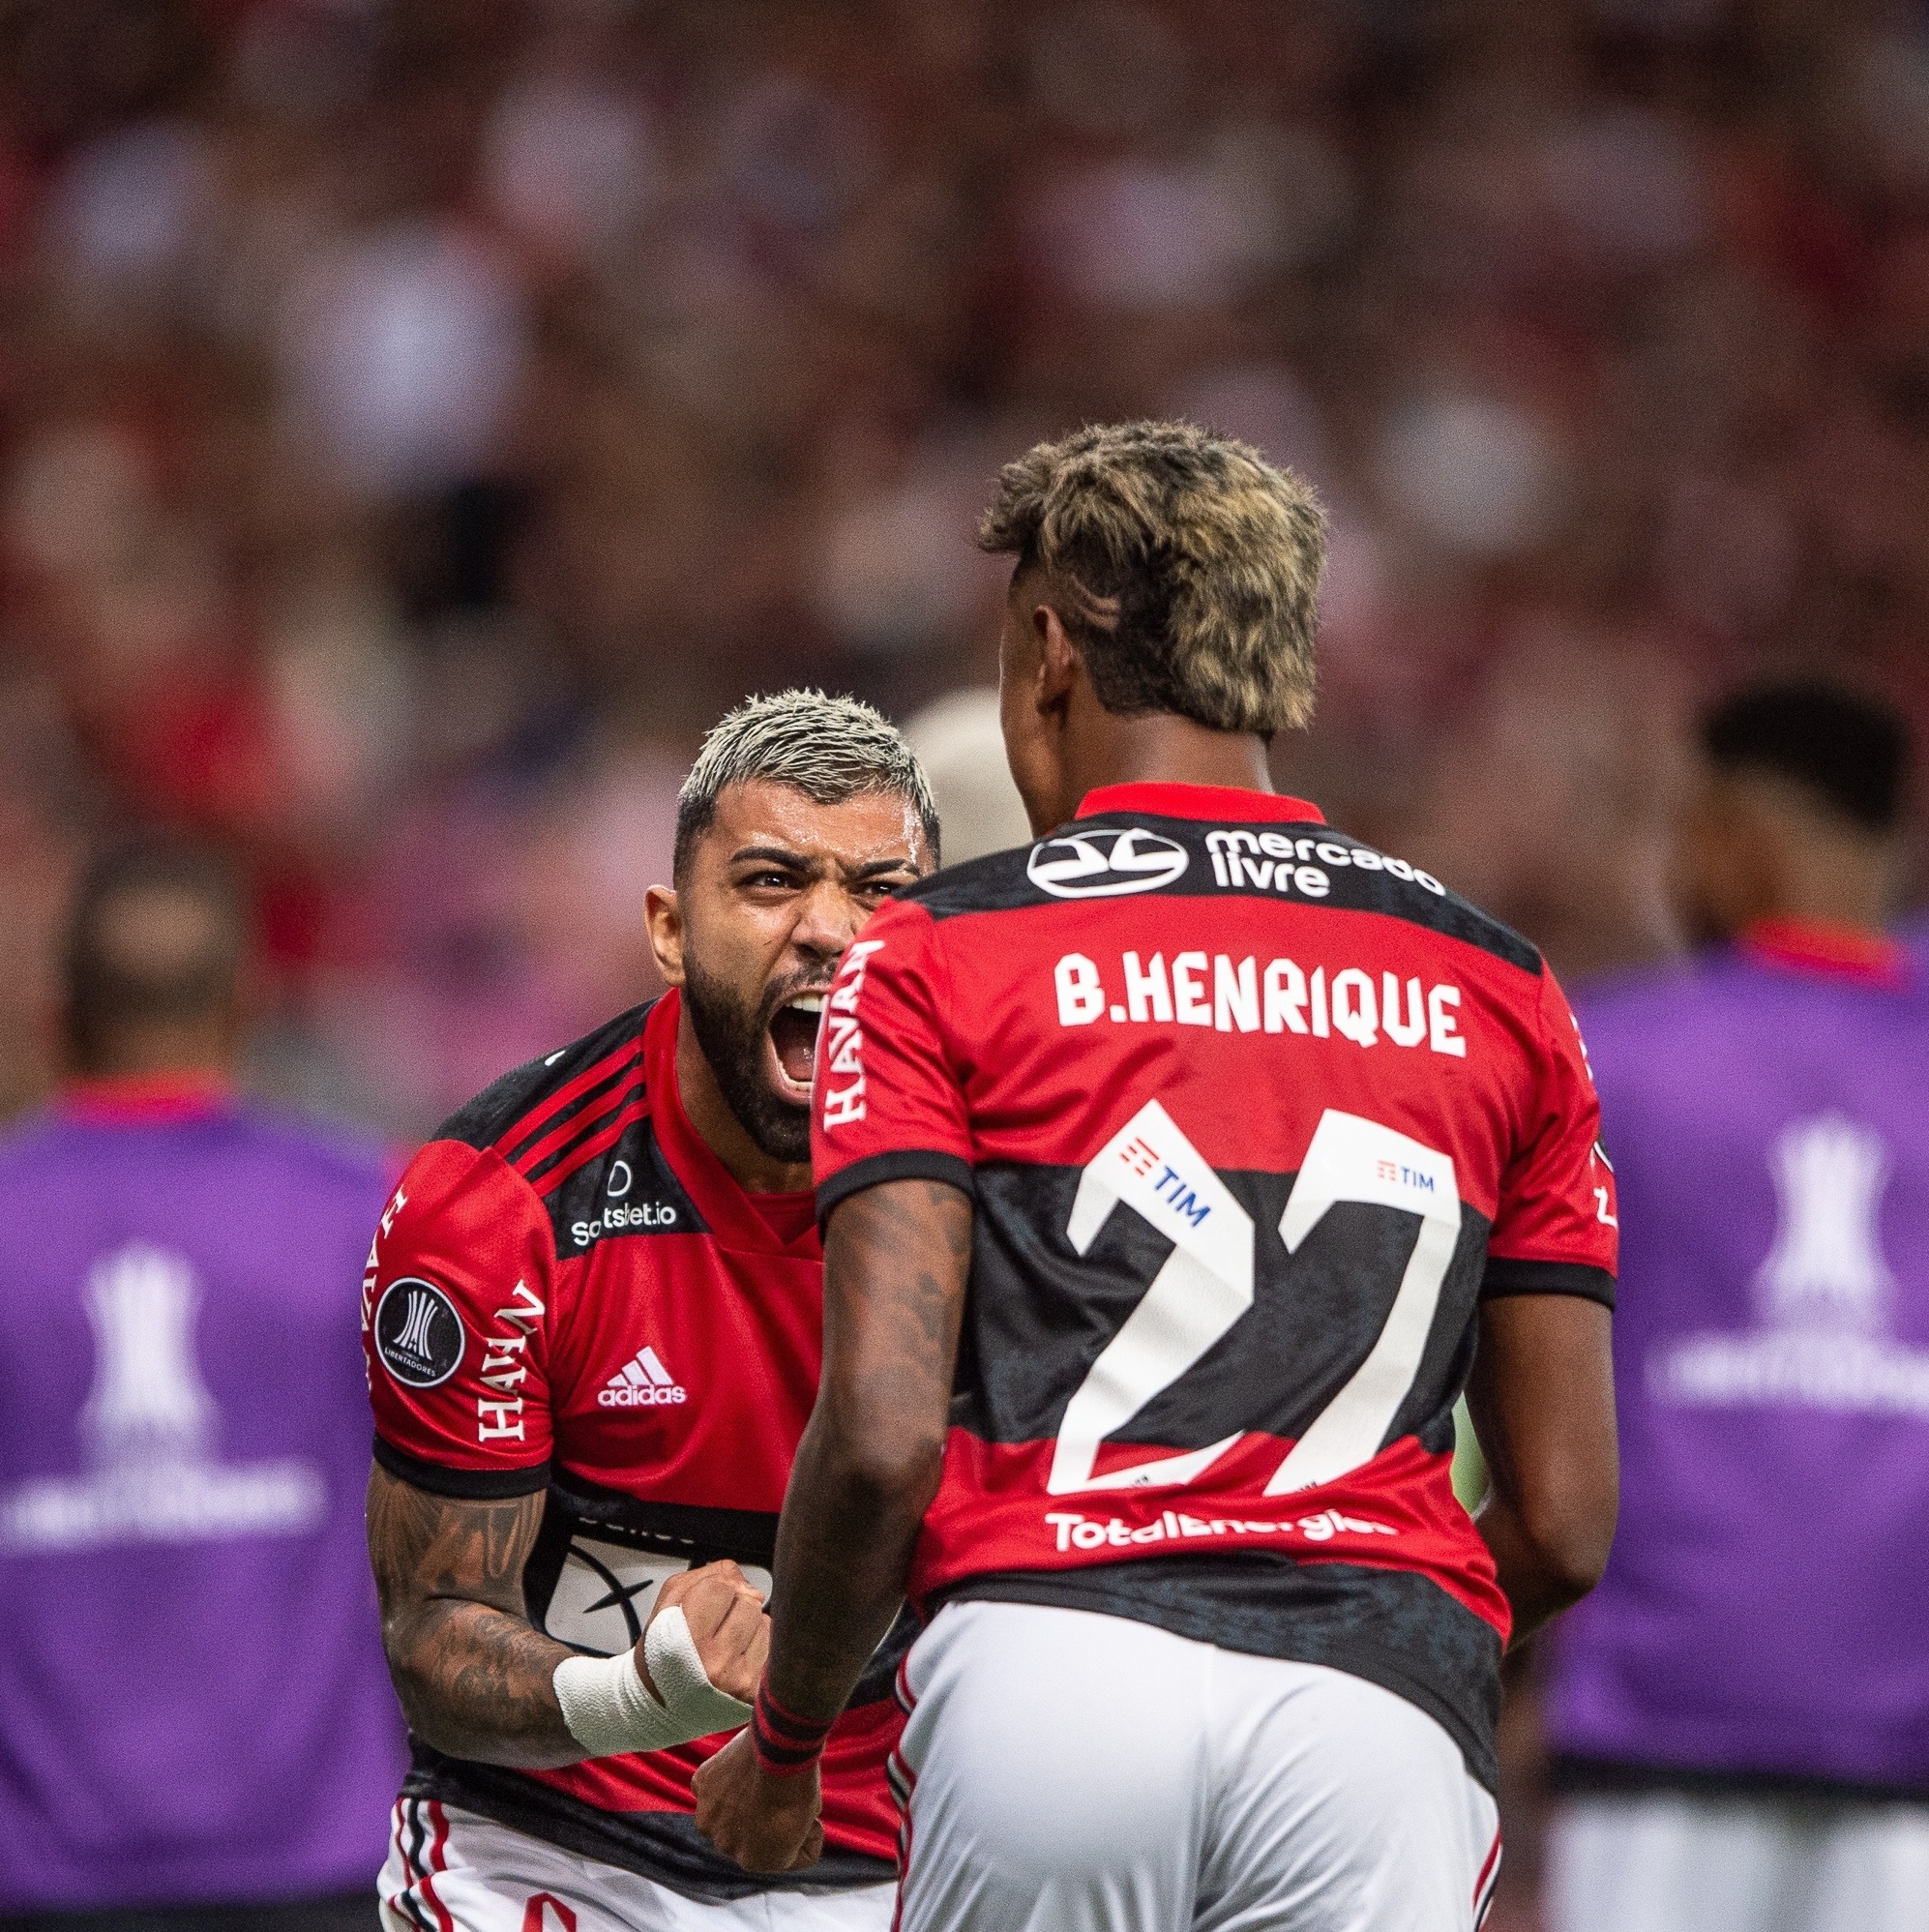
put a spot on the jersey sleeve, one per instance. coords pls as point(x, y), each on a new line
point(455, 1328)
point(888, 1103)
point(1555, 1230)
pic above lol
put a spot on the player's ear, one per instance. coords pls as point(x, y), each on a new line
point(664, 916)
point(1058, 659)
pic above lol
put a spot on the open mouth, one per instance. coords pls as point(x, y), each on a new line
point(793, 1037)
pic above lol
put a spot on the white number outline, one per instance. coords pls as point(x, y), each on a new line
point(1207, 1285)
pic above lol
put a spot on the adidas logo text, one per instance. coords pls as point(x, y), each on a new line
point(642, 1383)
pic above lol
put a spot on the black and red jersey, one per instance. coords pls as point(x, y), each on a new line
point(569, 1292)
point(1253, 1117)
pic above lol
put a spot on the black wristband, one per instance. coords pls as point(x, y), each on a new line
point(787, 1745)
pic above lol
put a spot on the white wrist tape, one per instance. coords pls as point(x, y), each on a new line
point(610, 1713)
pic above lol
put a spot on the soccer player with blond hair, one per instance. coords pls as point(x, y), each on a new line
point(1171, 1170)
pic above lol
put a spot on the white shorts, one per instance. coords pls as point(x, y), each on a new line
point(450, 1871)
point(1673, 1862)
point(1073, 1773)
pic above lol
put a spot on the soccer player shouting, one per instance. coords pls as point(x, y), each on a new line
point(1172, 1170)
point(593, 1319)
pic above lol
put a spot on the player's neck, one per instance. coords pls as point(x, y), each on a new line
point(1157, 748)
point(720, 1131)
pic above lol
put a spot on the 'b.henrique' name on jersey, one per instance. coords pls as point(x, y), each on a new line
point(1280, 997)
point(1253, 1117)
point(1322, 999)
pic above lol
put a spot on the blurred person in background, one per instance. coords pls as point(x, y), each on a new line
point(959, 742)
point(594, 1323)
point(195, 1728)
point(1740, 1713)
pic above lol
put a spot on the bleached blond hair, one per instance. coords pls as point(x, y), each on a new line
point(1191, 563)
point(830, 749)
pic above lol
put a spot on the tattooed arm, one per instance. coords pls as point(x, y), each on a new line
point(473, 1676)
point(475, 1679)
point(896, 1259)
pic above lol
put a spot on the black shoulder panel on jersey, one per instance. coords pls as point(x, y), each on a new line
point(626, 1189)
point(491, 1116)
point(992, 883)
point(1113, 857)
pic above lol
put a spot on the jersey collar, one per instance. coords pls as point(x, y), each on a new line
point(1200, 801)
point(144, 1099)
point(729, 1212)
point(1823, 946)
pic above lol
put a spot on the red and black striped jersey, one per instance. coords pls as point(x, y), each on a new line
point(1252, 1117)
point(569, 1292)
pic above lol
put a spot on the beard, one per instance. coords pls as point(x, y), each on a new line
point(733, 1035)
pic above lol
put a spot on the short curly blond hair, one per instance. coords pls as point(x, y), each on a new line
point(1195, 565)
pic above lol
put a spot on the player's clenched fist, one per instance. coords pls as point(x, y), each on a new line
point(693, 1672)
point(725, 1617)
point(766, 1824)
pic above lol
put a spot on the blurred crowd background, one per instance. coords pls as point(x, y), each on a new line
point(420, 418)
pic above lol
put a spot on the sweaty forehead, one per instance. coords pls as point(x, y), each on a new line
point(865, 829)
